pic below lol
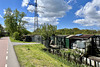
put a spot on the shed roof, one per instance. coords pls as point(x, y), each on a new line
point(81, 37)
point(62, 35)
point(69, 36)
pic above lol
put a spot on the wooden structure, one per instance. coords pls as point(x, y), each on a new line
point(33, 38)
point(75, 38)
point(58, 41)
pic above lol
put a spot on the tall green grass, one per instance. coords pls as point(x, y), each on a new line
point(35, 56)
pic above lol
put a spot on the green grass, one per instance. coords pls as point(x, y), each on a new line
point(12, 40)
point(34, 56)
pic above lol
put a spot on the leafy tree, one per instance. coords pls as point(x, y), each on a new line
point(47, 30)
point(25, 32)
point(16, 36)
point(20, 23)
point(13, 21)
point(10, 22)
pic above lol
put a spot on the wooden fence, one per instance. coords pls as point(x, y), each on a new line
point(80, 60)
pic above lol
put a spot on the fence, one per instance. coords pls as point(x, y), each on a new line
point(80, 60)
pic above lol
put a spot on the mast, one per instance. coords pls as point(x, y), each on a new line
point(35, 16)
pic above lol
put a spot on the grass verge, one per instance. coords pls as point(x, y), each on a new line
point(12, 40)
point(35, 56)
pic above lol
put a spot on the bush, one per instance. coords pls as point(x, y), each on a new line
point(16, 36)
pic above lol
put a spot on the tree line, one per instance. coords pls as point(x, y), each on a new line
point(67, 31)
point(48, 30)
point(14, 23)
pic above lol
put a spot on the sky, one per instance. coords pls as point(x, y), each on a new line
point(82, 14)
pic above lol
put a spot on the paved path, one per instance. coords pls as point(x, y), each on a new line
point(12, 59)
point(7, 54)
point(16, 43)
point(3, 50)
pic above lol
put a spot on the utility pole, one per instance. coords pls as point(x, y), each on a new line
point(36, 13)
point(35, 16)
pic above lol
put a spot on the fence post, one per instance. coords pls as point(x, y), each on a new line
point(53, 51)
point(90, 62)
point(98, 64)
point(64, 55)
point(81, 59)
point(94, 63)
point(86, 60)
point(68, 57)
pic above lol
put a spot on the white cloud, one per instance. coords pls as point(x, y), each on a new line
point(30, 20)
point(4, 11)
point(90, 14)
point(50, 10)
point(31, 8)
point(53, 8)
point(25, 2)
point(1, 16)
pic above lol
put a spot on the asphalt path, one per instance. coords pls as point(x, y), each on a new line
point(8, 56)
point(3, 50)
point(12, 58)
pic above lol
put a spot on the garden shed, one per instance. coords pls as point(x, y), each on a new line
point(80, 41)
point(59, 40)
point(33, 38)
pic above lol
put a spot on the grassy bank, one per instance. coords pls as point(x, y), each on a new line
point(12, 40)
point(35, 56)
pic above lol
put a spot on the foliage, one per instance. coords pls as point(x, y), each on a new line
point(67, 31)
point(16, 35)
point(25, 32)
point(74, 52)
point(47, 30)
point(13, 40)
point(13, 21)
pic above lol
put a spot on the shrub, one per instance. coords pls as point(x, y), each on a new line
point(16, 35)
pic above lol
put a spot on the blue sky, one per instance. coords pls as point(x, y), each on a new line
point(77, 13)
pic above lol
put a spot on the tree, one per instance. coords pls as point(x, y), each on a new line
point(13, 21)
point(20, 23)
point(10, 22)
point(47, 31)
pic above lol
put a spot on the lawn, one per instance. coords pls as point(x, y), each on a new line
point(12, 40)
point(34, 56)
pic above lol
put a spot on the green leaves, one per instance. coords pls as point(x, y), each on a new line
point(13, 21)
point(47, 30)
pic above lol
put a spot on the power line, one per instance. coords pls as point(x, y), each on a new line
point(35, 14)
